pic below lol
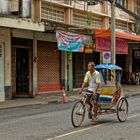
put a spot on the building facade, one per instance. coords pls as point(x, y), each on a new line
point(29, 56)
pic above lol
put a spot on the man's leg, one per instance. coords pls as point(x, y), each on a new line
point(95, 109)
point(89, 106)
point(88, 102)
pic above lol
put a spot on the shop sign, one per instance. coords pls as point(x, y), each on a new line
point(88, 44)
point(106, 57)
point(88, 49)
point(104, 44)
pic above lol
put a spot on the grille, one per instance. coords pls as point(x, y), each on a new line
point(48, 67)
point(82, 21)
point(52, 14)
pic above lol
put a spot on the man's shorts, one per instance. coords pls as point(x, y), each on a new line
point(90, 95)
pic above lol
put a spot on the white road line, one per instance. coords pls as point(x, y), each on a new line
point(134, 116)
point(78, 131)
point(85, 129)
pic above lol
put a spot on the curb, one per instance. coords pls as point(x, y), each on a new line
point(56, 99)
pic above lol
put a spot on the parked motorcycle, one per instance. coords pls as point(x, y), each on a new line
point(133, 78)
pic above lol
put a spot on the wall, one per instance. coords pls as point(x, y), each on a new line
point(6, 39)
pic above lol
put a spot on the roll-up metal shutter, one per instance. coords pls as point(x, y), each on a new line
point(80, 61)
point(48, 67)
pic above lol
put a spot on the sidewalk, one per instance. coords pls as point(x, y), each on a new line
point(129, 90)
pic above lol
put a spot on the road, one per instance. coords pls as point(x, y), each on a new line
point(52, 121)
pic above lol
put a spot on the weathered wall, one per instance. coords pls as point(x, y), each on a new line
point(6, 39)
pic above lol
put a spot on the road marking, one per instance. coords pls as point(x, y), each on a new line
point(78, 131)
point(134, 116)
point(85, 129)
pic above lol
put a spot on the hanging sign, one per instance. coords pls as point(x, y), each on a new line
point(70, 42)
point(88, 44)
point(107, 57)
point(88, 49)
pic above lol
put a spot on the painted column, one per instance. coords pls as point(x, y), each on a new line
point(105, 23)
point(70, 72)
point(35, 58)
point(68, 56)
point(2, 94)
point(130, 59)
point(64, 70)
point(5, 37)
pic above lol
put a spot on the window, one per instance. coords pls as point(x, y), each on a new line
point(138, 7)
point(123, 3)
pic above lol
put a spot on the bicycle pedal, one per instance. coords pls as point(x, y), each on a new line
point(78, 113)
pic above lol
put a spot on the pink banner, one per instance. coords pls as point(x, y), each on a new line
point(104, 44)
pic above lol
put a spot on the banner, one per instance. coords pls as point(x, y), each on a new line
point(70, 42)
point(104, 44)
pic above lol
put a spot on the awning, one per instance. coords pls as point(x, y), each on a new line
point(107, 33)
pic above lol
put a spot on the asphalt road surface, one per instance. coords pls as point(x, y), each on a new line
point(53, 121)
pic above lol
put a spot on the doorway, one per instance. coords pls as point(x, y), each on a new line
point(22, 71)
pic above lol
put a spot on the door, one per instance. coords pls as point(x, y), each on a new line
point(23, 75)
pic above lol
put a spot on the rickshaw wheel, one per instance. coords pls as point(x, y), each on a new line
point(78, 113)
point(122, 109)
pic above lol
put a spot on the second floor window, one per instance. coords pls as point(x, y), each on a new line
point(123, 3)
point(138, 7)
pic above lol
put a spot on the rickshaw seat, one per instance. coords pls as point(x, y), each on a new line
point(106, 94)
point(107, 90)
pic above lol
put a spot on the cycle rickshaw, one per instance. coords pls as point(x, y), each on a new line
point(111, 98)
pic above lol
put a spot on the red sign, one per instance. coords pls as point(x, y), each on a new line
point(104, 44)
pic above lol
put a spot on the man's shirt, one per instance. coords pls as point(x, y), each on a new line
point(93, 80)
